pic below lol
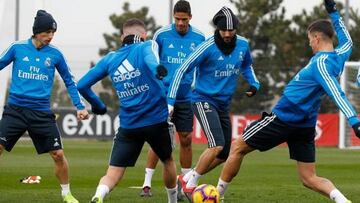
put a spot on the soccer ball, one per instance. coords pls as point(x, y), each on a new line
point(205, 193)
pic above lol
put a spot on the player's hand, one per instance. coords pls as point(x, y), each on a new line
point(356, 129)
point(330, 6)
point(82, 114)
point(251, 91)
point(170, 110)
point(99, 111)
point(161, 72)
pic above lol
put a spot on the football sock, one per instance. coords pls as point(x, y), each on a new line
point(188, 175)
point(337, 196)
point(221, 187)
point(185, 170)
point(172, 194)
point(65, 189)
point(149, 172)
point(101, 191)
point(194, 179)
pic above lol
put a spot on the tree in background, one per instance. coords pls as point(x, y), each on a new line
point(59, 96)
point(260, 23)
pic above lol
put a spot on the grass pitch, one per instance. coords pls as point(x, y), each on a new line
point(264, 178)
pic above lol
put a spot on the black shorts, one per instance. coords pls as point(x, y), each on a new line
point(269, 132)
point(216, 126)
point(183, 117)
point(40, 125)
point(129, 142)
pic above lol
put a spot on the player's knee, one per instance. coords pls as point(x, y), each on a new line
point(185, 139)
point(239, 148)
point(57, 155)
point(217, 150)
point(308, 181)
point(168, 161)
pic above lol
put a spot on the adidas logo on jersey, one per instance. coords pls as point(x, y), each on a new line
point(125, 72)
point(220, 58)
point(26, 58)
point(171, 46)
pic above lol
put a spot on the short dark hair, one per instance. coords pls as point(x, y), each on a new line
point(133, 22)
point(324, 26)
point(182, 6)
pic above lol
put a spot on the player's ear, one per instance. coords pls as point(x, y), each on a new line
point(144, 35)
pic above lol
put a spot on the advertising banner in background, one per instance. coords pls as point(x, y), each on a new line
point(105, 127)
point(96, 127)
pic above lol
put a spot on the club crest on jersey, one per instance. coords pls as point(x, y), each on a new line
point(47, 62)
point(207, 107)
point(241, 56)
point(192, 46)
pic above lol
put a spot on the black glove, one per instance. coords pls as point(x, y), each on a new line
point(356, 129)
point(251, 91)
point(330, 6)
point(161, 72)
point(99, 111)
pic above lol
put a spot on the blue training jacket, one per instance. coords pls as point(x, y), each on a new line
point(132, 71)
point(300, 102)
point(216, 73)
point(33, 75)
point(173, 49)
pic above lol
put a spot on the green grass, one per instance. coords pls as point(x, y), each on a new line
point(265, 177)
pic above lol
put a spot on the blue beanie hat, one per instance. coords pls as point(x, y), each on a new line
point(225, 19)
point(43, 22)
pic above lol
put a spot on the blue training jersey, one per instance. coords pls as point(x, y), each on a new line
point(216, 73)
point(301, 99)
point(33, 75)
point(173, 49)
point(132, 71)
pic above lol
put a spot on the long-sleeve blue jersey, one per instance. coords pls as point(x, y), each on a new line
point(173, 49)
point(216, 73)
point(132, 70)
point(33, 75)
point(300, 102)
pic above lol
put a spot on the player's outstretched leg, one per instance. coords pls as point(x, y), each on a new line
point(232, 165)
point(321, 185)
point(62, 174)
point(107, 183)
